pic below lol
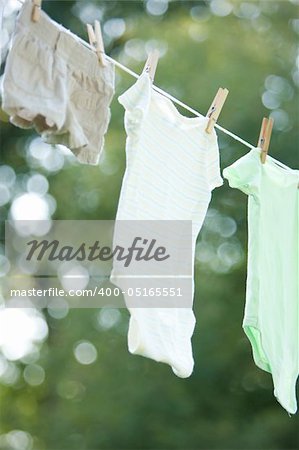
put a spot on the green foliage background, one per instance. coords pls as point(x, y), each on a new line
point(128, 402)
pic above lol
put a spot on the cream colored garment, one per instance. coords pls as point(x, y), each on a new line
point(54, 83)
point(172, 167)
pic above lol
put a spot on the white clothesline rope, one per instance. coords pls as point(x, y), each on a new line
point(165, 94)
point(174, 99)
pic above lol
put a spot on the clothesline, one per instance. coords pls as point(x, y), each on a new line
point(165, 94)
point(174, 99)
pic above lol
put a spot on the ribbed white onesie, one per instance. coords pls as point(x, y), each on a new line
point(172, 167)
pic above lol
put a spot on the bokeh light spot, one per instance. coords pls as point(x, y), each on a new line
point(115, 28)
point(108, 318)
point(156, 7)
point(30, 206)
point(19, 330)
point(7, 176)
point(17, 440)
point(281, 120)
point(73, 276)
point(221, 8)
point(34, 375)
point(85, 353)
point(4, 194)
point(270, 100)
point(38, 183)
point(70, 389)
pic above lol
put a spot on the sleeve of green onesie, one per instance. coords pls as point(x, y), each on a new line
point(244, 174)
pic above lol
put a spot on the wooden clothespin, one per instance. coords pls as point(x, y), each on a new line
point(96, 40)
point(151, 64)
point(91, 35)
point(37, 6)
point(215, 108)
point(265, 136)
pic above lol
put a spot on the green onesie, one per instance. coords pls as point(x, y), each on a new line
point(271, 319)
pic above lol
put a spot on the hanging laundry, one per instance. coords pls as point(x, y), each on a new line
point(52, 82)
point(172, 167)
point(271, 319)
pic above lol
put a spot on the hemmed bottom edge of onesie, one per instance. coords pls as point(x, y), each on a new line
point(289, 401)
point(136, 347)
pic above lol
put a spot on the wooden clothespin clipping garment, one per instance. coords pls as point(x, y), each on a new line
point(96, 40)
point(215, 108)
point(151, 64)
point(37, 6)
point(265, 136)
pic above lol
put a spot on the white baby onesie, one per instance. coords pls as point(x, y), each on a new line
point(172, 167)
